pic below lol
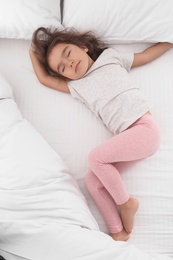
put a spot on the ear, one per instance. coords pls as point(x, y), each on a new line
point(84, 48)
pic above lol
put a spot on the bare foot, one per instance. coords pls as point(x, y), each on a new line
point(127, 212)
point(121, 236)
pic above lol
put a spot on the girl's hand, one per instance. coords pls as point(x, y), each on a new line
point(44, 77)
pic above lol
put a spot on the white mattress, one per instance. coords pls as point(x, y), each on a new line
point(72, 130)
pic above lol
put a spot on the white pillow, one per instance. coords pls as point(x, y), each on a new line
point(19, 18)
point(117, 21)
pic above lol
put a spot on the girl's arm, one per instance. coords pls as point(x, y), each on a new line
point(44, 77)
point(151, 53)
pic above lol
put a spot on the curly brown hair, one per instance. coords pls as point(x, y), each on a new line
point(44, 39)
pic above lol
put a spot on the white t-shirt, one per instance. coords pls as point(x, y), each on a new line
point(109, 92)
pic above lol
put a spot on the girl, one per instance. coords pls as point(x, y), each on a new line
point(80, 64)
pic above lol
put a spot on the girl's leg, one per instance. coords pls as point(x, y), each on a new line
point(107, 206)
point(137, 142)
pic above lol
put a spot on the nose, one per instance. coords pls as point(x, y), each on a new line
point(71, 63)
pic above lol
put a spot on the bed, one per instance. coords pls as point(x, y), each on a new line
point(46, 211)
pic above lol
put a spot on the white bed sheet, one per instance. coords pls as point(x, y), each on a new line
point(72, 130)
point(43, 215)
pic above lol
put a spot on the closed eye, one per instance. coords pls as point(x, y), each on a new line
point(69, 53)
point(63, 69)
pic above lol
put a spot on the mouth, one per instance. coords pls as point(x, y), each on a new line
point(77, 66)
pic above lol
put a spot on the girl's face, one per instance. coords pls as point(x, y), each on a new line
point(69, 60)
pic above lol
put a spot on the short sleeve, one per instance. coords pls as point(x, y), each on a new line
point(126, 59)
point(75, 86)
point(71, 85)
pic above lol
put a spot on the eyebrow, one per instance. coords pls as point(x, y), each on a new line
point(64, 50)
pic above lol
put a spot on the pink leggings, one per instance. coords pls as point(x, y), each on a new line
point(104, 182)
